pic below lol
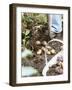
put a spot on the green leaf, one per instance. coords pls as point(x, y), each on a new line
point(27, 32)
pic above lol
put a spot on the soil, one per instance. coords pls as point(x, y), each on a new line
point(55, 70)
point(38, 61)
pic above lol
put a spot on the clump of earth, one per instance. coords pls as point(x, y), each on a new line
point(56, 69)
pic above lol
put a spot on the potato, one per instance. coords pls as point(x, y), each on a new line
point(43, 48)
point(38, 42)
point(49, 47)
point(44, 43)
point(39, 52)
point(48, 52)
point(53, 51)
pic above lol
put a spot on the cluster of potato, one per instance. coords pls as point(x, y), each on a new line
point(45, 48)
point(56, 69)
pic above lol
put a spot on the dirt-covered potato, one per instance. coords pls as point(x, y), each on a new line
point(56, 69)
point(48, 47)
point(53, 51)
point(38, 42)
point(43, 48)
point(48, 52)
point(39, 52)
point(44, 43)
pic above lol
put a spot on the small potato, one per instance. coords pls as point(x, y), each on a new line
point(48, 52)
point(49, 47)
point(39, 51)
point(38, 42)
point(53, 51)
point(44, 43)
point(43, 48)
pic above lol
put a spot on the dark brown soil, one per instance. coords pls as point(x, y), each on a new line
point(56, 69)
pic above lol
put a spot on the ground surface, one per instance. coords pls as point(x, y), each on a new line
point(38, 61)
